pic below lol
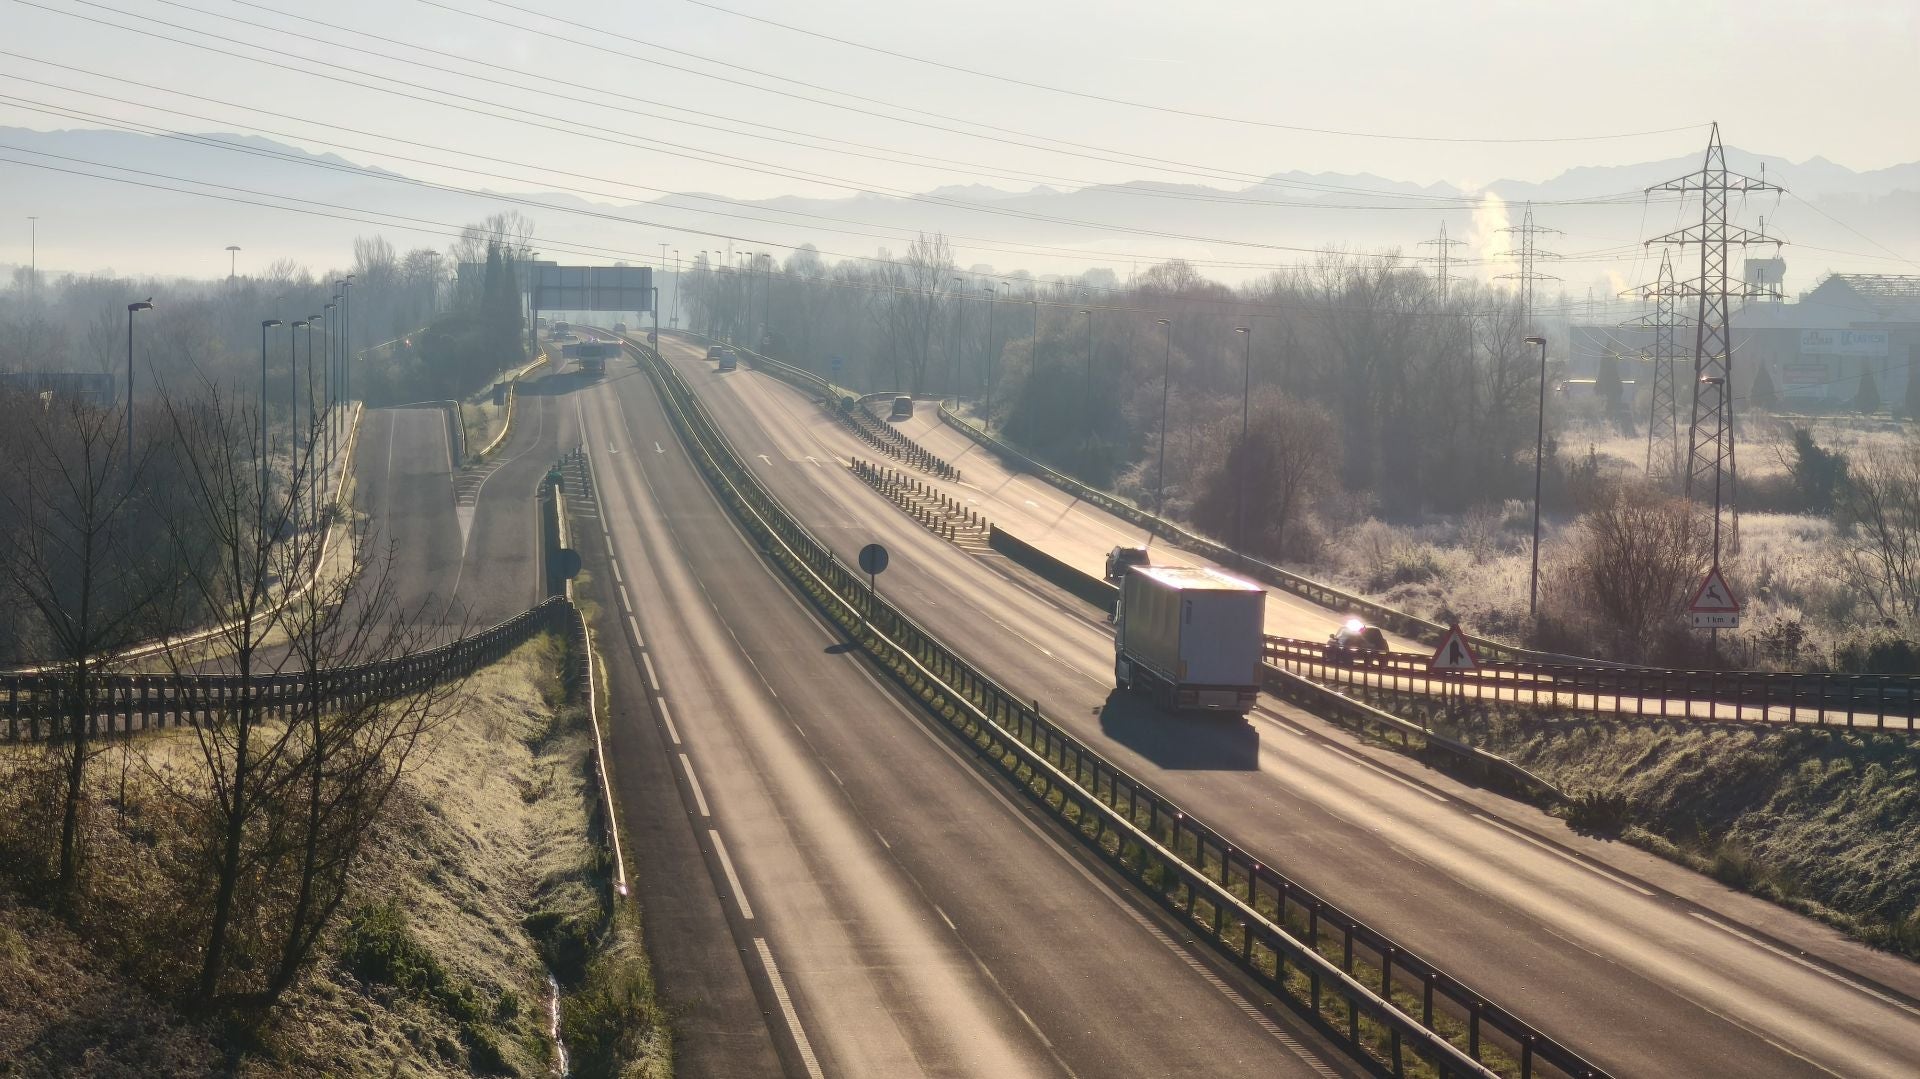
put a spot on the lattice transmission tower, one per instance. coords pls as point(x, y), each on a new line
point(1442, 259)
point(1711, 466)
point(1529, 255)
point(1665, 457)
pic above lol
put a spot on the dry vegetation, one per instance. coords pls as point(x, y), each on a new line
point(483, 876)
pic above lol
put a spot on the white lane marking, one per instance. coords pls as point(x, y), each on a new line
point(615, 563)
point(764, 457)
point(1815, 967)
point(672, 731)
point(635, 627)
point(657, 449)
point(733, 879)
point(1391, 774)
point(944, 918)
point(815, 460)
point(653, 680)
point(1563, 855)
point(786, 1009)
point(626, 600)
point(882, 839)
point(699, 797)
point(835, 775)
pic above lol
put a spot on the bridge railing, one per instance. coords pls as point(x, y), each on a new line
point(1382, 1000)
point(36, 706)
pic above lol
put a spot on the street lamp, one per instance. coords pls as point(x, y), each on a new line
point(293, 406)
point(991, 342)
point(1166, 373)
point(314, 419)
point(1086, 381)
point(953, 341)
point(265, 325)
point(333, 379)
point(1246, 403)
point(141, 305)
point(1539, 450)
point(673, 323)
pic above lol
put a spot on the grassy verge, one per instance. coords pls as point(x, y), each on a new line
point(483, 420)
point(487, 876)
point(1825, 821)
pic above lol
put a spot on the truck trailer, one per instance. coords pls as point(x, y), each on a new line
point(1190, 637)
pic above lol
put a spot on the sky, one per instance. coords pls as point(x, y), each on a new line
point(612, 105)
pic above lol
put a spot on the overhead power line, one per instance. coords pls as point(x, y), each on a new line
point(1190, 113)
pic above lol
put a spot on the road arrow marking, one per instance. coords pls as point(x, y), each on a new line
point(763, 457)
point(657, 449)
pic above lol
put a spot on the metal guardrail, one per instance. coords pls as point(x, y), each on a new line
point(34, 706)
point(1406, 1013)
point(1324, 595)
point(1879, 701)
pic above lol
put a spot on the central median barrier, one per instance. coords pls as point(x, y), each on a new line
point(1387, 1005)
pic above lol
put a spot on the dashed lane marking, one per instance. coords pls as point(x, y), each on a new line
point(653, 680)
point(733, 879)
point(699, 796)
point(667, 718)
point(635, 627)
point(786, 1009)
point(1563, 855)
point(1815, 967)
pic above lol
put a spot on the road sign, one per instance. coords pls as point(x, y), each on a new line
point(1714, 605)
point(1455, 653)
point(873, 559)
point(835, 363)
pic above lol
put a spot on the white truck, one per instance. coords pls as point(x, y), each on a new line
point(1191, 637)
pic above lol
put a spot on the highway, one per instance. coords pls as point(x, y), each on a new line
point(1585, 939)
point(893, 910)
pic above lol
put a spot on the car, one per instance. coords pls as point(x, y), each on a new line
point(714, 351)
point(619, 327)
point(902, 408)
point(559, 327)
point(728, 359)
point(1356, 642)
point(1122, 559)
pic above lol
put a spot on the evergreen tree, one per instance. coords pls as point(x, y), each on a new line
point(1763, 396)
point(1867, 401)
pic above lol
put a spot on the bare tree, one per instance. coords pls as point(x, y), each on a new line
point(1879, 511)
point(77, 558)
point(1635, 558)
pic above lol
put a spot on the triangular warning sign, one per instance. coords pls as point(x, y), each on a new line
point(1455, 653)
point(1713, 596)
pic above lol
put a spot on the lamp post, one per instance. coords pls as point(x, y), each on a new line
point(746, 287)
point(953, 341)
point(1539, 450)
point(1160, 471)
point(141, 305)
point(1086, 380)
point(265, 325)
point(1246, 403)
point(293, 409)
point(674, 321)
point(333, 382)
point(991, 343)
point(313, 424)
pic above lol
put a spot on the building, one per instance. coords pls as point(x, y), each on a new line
point(1849, 343)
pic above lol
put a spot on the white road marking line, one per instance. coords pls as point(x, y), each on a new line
point(657, 449)
point(626, 600)
point(1563, 855)
point(786, 1009)
point(733, 879)
point(653, 680)
point(1393, 775)
point(672, 731)
point(944, 918)
point(1815, 967)
point(699, 797)
point(836, 776)
point(635, 627)
point(615, 563)
point(882, 839)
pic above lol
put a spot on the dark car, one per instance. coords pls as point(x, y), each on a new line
point(619, 327)
point(902, 408)
point(714, 351)
point(1356, 642)
point(1122, 559)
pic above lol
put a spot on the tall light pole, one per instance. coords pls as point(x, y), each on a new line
point(333, 379)
point(1539, 450)
point(33, 256)
point(293, 410)
point(313, 423)
point(265, 325)
point(233, 262)
point(953, 338)
point(746, 285)
point(766, 306)
point(1246, 407)
point(991, 342)
point(673, 322)
point(1166, 374)
point(1086, 379)
point(141, 305)
point(346, 336)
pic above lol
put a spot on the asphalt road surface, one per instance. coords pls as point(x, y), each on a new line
point(1646, 968)
point(891, 910)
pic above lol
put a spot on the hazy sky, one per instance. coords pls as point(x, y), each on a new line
point(1794, 79)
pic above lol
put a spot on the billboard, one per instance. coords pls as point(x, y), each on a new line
point(593, 288)
point(1843, 343)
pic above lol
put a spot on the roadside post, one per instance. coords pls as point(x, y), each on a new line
point(1453, 660)
point(1714, 608)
